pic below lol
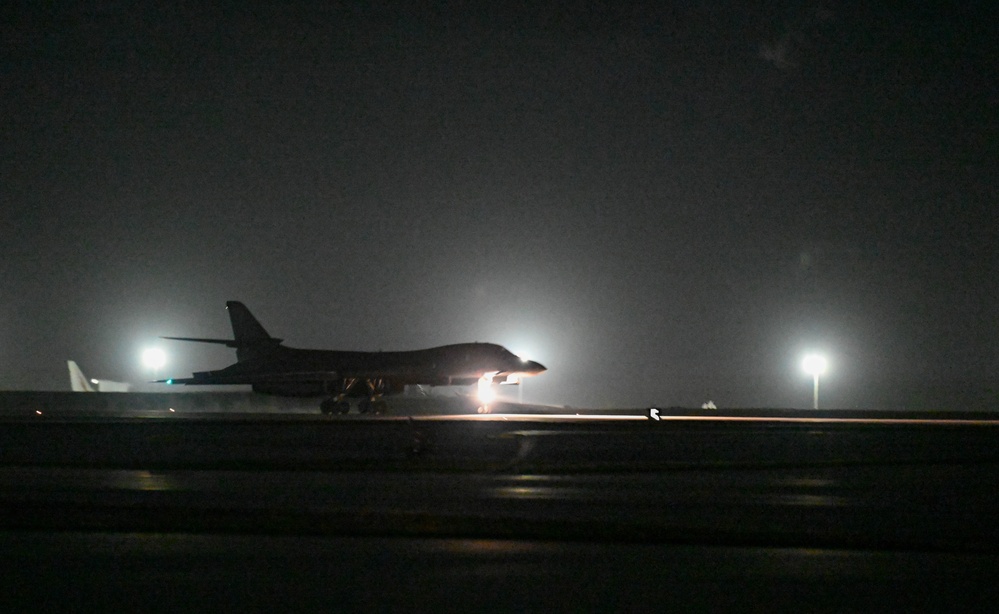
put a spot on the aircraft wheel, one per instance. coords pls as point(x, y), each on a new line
point(342, 407)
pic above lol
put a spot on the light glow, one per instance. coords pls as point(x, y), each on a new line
point(486, 394)
point(154, 358)
point(814, 364)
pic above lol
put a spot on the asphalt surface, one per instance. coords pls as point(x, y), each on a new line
point(441, 511)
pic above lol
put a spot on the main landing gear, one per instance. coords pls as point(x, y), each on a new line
point(334, 405)
point(375, 406)
point(373, 403)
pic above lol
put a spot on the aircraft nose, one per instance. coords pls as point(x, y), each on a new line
point(535, 367)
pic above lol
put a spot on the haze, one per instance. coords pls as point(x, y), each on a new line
point(663, 207)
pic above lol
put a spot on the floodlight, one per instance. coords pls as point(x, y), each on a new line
point(153, 358)
point(815, 365)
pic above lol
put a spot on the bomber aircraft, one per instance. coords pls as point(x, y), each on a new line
point(272, 368)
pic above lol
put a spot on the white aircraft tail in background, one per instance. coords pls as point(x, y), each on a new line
point(80, 383)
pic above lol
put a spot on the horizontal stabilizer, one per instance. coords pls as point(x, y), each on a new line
point(227, 342)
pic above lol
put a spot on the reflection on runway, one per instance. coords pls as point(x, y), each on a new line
point(806, 481)
point(836, 420)
point(760, 505)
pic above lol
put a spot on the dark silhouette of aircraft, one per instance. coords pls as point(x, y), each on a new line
point(271, 368)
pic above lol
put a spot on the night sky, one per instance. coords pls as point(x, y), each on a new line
point(663, 206)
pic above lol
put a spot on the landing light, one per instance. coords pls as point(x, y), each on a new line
point(486, 394)
point(485, 389)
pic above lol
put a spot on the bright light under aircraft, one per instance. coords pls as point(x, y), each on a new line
point(486, 393)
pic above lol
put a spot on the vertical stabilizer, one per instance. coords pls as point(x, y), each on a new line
point(77, 380)
point(251, 340)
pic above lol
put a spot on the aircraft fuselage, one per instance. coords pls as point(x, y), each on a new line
point(293, 371)
point(269, 367)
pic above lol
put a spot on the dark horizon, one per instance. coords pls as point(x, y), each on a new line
point(663, 207)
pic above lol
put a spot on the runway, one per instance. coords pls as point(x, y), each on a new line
point(721, 418)
point(439, 510)
point(672, 478)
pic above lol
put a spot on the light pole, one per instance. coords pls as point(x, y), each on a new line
point(815, 365)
